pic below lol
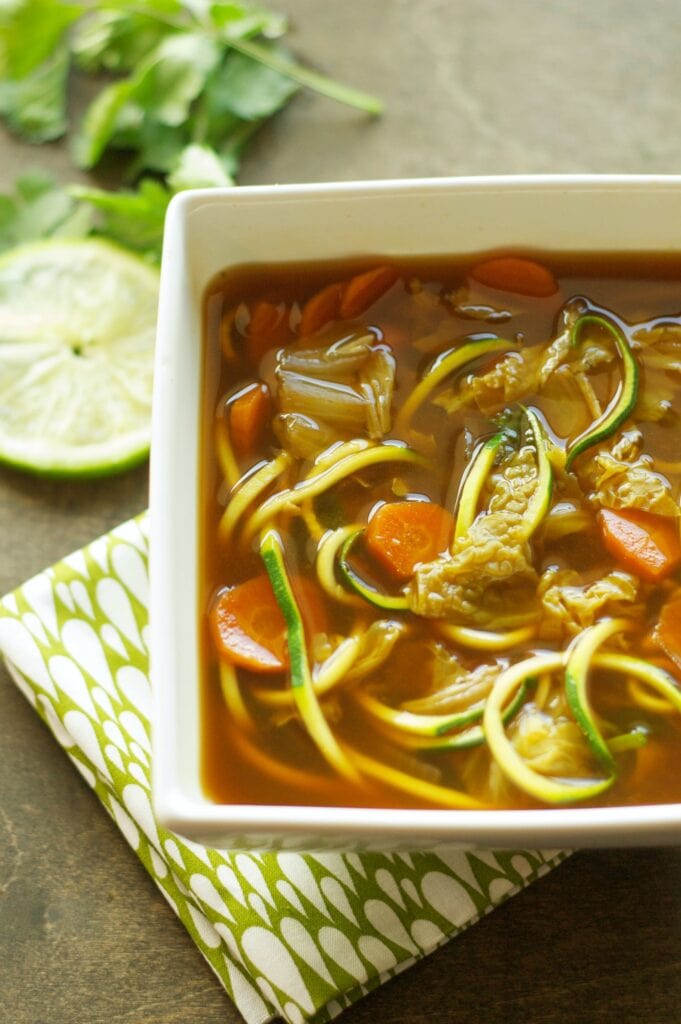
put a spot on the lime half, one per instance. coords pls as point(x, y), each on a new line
point(77, 330)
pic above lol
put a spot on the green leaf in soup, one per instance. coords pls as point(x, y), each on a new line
point(248, 89)
point(199, 166)
point(35, 105)
point(116, 41)
point(174, 74)
point(30, 30)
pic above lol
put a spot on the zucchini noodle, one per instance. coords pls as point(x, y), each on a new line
point(327, 552)
point(225, 453)
point(302, 686)
point(429, 792)
point(249, 490)
point(472, 485)
point(542, 787)
point(642, 696)
point(309, 517)
point(485, 639)
point(651, 675)
point(325, 677)
point(417, 725)
point(316, 483)
point(579, 659)
point(445, 364)
point(231, 694)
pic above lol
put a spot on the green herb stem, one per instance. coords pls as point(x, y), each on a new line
point(305, 76)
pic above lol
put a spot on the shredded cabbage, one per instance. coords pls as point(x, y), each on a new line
point(618, 476)
point(569, 604)
point(466, 585)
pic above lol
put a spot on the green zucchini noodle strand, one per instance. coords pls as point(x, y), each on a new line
point(485, 639)
point(446, 363)
point(332, 671)
point(429, 792)
point(327, 550)
point(249, 490)
point(232, 696)
point(225, 452)
point(660, 681)
point(417, 725)
point(580, 657)
point(543, 788)
point(309, 517)
point(472, 485)
point(316, 483)
point(357, 655)
point(302, 687)
point(340, 450)
point(434, 732)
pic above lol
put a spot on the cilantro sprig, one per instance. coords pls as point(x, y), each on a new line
point(184, 84)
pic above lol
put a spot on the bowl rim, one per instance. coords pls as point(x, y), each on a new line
point(270, 823)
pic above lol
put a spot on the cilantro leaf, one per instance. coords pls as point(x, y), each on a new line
point(35, 105)
point(133, 218)
point(248, 89)
point(115, 41)
point(199, 167)
point(174, 74)
point(241, 21)
point(30, 31)
point(40, 209)
point(99, 123)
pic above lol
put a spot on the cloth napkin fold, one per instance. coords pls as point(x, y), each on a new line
point(299, 936)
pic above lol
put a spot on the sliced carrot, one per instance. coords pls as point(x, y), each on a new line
point(248, 418)
point(403, 533)
point(517, 275)
point(268, 326)
point(647, 544)
point(248, 626)
point(321, 309)
point(667, 633)
point(363, 290)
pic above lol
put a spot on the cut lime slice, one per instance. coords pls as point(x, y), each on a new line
point(77, 329)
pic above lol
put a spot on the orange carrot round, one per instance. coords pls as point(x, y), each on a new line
point(403, 533)
point(249, 628)
point(321, 309)
point(517, 275)
point(248, 418)
point(647, 544)
point(363, 290)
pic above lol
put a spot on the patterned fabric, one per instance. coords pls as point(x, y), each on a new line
point(290, 935)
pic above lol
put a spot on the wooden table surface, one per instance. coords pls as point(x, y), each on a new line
point(472, 87)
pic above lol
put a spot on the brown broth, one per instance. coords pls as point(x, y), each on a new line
point(635, 289)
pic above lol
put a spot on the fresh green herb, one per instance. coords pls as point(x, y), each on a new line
point(40, 209)
point(187, 82)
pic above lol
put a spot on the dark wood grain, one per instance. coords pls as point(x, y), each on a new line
point(471, 86)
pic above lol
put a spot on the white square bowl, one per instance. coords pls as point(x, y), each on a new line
point(210, 230)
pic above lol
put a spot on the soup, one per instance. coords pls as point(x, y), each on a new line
point(440, 546)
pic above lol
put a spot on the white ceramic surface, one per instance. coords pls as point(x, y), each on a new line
point(209, 230)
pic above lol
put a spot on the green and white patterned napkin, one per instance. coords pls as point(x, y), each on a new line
point(290, 935)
